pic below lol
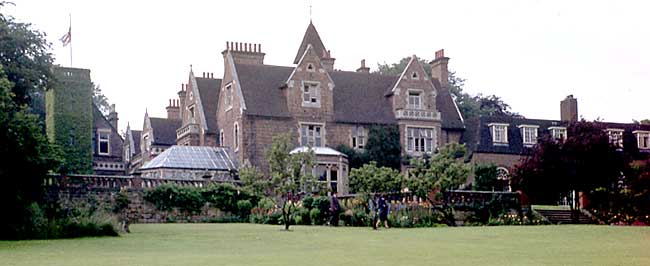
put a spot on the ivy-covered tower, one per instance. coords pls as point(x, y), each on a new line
point(69, 118)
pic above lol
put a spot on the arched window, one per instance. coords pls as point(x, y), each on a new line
point(503, 178)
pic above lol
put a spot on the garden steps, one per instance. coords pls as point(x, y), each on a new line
point(563, 216)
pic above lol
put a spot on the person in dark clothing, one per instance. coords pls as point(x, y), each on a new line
point(335, 209)
point(373, 210)
point(382, 206)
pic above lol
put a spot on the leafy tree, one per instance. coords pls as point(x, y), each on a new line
point(585, 161)
point(445, 171)
point(485, 177)
point(27, 62)
point(468, 105)
point(253, 180)
point(290, 176)
point(373, 179)
point(382, 147)
point(100, 100)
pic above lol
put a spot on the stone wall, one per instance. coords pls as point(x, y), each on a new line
point(103, 189)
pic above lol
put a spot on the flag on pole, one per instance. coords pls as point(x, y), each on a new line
point(67, 38)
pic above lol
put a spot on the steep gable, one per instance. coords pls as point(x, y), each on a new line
point(164, 130)
point(208, 91)
point(311, 38)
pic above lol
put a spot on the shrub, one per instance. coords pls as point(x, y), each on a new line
point(316, 217)
point(244, 208)
point(485, 177)
point(301, 216)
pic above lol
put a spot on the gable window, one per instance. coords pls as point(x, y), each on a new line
point(228, 96)
point(236, 137)
point(191, 113)
point(310, 67)
point(615, 137)
point(558, 133)
point(499, 133)
point(222, 139)
point(414, 100)
point(642, 139)
point(421, 140)
point(146, 143)
point(311, 135)
point(310, 94)
point(529, 134)
point(103, 142)
point(358, 137)
point(415, 75)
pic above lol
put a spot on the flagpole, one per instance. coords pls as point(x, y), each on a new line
point(70, 32)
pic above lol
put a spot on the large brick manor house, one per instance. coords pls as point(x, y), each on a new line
point(318, 105)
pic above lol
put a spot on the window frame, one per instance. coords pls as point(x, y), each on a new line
point(556, 130)
point(617, 141)
point(358, 141)
point(419, 97)
point(314, 96)
point(107, 140)
point(493, 127)
point(421, 144)
point(236, 130)
point(308, 139)
point(228, 93)
point(639, 134)
point(533, 137)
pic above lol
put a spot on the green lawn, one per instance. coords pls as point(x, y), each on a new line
point(247, 244)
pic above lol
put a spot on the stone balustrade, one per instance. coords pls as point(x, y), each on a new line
point(186, 130)
point(417, 114)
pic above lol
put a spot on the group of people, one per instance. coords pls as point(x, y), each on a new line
point(377, 206)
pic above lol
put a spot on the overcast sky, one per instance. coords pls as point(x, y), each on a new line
point(530, 53)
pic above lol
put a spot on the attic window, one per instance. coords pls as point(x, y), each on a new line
point(529, 134)
point(615, 136)
point(310, 94)
point(310, 67)
point(643, 139)
point(415, 75)
point(499, 133)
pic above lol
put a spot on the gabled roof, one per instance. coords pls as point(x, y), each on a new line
point(164, 130)
point(136, 134)
point(358, 97)
point(311, 37)
point(193, 158)
point(209, 94)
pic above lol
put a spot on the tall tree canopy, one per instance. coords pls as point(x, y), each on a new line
point(101, 101)
point(470, 106)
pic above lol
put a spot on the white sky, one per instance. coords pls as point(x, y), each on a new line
point(530, 53)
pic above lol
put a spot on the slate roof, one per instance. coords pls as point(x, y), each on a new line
point(358, 97)
point(193, 158)
point(164, 130)
point(209, 93)
point(137, 134)
point(261, 89)
point(311, 37)
point(478, 137)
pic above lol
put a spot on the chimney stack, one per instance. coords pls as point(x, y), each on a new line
point(569, 109)
point(112, 117)
point(173, 110)
point(363, 68)
point(439, 68)
point(328, 61)
point(245, 53)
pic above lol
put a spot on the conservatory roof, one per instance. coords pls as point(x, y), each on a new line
point(193, 158)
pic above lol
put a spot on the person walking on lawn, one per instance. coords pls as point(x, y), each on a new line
point(335, 209)
point(382, 206)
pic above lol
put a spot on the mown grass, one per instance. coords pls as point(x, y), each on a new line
point(249, 244)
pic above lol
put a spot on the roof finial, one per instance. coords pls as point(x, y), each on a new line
point(191, 68)
point(310, 13)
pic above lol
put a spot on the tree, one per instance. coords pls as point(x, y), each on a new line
point(373, 179)
point(445, 171)
point(290, 176)
point(27, 62)
point(100, 100)
point(253, 180)
point(485, 177)
point(584, 162)
point(382, 147)
point(468, 105)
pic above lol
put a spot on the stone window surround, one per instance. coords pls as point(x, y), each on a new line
point(427, 150)
point(419, 93)
point(228, 96)
point(358, 141)
point(322, 133)
point(313, 95)
point(107, 140)
point(532, 139)
point(222, 138)
point(642, 139)
point(493, 128)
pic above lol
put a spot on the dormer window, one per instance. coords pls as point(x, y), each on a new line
point(615, 136)
point(558, 133)
point(529, 134)
point(499, 133)
point(642, 139)
point(414, 99)
point(103, 145)
point(310, 94)
point(415, 75)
